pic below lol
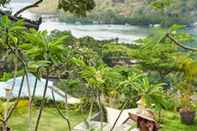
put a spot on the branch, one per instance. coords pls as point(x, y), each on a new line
point(55, 77)
point(43, 101)
point(119, 115)
point(28, 23)
point(17, 101)
point(2, 120)
point(28, 7)
point(168, 35)
point(59, 111)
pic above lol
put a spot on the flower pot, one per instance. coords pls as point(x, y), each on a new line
point(187, 117)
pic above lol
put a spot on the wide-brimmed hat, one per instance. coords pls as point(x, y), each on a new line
point(144, 113)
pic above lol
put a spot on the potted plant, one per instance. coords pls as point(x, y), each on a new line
point(187, 110)
point(188, 72)
point(187, 116)
point(187, 107)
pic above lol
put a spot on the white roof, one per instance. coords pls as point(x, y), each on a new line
point(39, 90)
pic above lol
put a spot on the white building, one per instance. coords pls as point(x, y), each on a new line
point(59, 95)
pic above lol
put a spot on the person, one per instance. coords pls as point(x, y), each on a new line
point(145, 120)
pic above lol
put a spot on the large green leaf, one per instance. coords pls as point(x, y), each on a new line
point(5, 21)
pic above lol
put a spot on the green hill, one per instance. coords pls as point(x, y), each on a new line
point(128, 11)
point(47, 7)
point(123, 7)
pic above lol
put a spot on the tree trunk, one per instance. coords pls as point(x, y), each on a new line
point(66, 99)
point(101, 110)
point(43, 101)
point(30, 101)
point(16, 103)
point(91, 110)
point(15, 72)
point(60, 113)
point(35, 86)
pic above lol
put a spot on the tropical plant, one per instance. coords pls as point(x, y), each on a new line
point(188, 67)
point(112, 79)
point(94, 77)
point(127, 87)
point(152, 94)
point(43, 53)
point(10, 41)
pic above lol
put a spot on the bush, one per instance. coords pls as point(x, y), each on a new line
point(86, 103)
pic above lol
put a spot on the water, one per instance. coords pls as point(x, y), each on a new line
point(124, 33)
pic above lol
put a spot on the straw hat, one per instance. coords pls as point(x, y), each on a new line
point(143, 113)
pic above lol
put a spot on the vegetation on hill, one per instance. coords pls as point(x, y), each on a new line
point(132, 12)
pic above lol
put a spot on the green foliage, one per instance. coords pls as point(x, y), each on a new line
point(112, 79)
point(94, 76)
point(11, 37)
point(116, 50)
point(5, 76)
point(13, 30)
point(160, 4)
point(78, 7)
point(160, 57)
point(72, 86)
point(149, 12)
point(48, 103)
point(4, 2)
point(89, 56)
point(127, 86)
point(42, 50)
point(153, 94)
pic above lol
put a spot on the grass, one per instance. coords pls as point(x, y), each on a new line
point(51, 120)
point(171, 122)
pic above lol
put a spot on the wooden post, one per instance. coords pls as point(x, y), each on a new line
point(8, 92)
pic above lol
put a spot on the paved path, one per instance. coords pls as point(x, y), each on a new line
point(112, 115)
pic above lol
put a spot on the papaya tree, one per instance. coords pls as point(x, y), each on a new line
point(94, 78)
point(43, 53)
point(12, 37)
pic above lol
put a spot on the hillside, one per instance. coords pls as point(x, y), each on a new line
point(123, 7)
point(128, 12)
point(47, 7)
